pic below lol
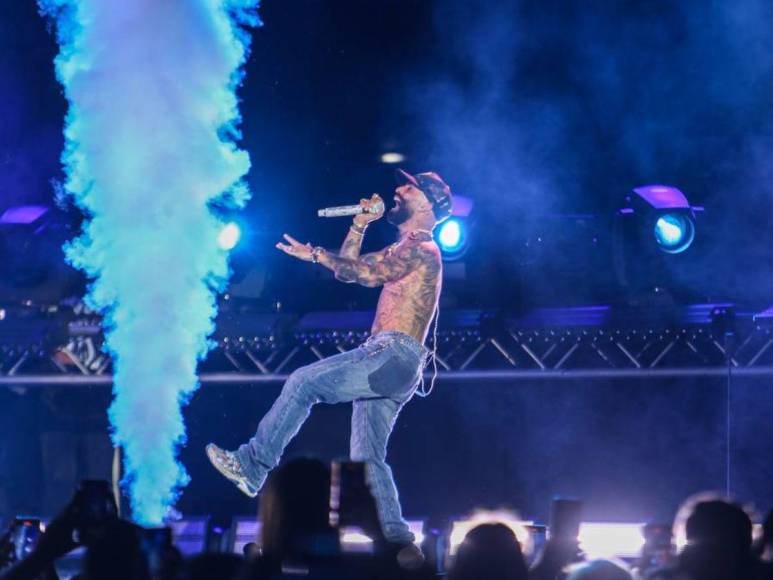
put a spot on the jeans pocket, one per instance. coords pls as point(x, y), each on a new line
point(395, 378)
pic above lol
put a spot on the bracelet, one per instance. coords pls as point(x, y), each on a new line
point(315, 253)
point(358, 229)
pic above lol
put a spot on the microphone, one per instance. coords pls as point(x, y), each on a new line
point(344, 210)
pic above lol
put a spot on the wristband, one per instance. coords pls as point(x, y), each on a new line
point(315, 253)
point(358, 229)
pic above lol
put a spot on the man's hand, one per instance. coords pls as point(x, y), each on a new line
point(295, 248)
point(364, 219)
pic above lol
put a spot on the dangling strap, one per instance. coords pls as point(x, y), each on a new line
point(422, 391)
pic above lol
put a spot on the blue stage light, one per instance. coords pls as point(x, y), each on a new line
point(674, 232)
point(451, 236)
point(229, 236)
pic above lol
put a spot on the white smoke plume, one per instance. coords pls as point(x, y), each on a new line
point(150, 145)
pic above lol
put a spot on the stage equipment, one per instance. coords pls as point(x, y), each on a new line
point(674, 233)
point(392, 157)
point(651, 236)
point(600, 540)
point(23, 214)
point(32, 265)
point(453, 234)
point(229, 236)
point(462, 206)
point(590, 342)
point(191, 534)
point(356, 541)
point(244, 530)
point(29, 340)
point(452, 237)
point(347, 210)
point(596, 539)
point(668, 214)
point(28, 245)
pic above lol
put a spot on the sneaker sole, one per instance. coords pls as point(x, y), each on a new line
point(237, 481)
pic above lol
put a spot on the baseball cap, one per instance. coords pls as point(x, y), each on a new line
point(433, 187)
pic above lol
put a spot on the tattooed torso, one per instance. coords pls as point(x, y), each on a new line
point(410, 272)
point(408, 304)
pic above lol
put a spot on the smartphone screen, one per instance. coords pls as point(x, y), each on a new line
point(26, 534)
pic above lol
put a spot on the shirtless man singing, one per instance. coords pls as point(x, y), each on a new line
point(382, 374)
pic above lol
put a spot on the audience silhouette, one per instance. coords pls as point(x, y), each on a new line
point(299, 537)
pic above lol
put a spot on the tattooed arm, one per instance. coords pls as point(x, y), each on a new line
point(372, 269)
point(353, 242)
point(352, 245)
point(381, 267)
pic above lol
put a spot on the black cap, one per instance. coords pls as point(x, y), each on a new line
point(433, 187)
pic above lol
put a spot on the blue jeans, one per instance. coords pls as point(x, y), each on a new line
point(379, 377)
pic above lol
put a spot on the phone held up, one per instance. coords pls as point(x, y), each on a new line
point(351, 505)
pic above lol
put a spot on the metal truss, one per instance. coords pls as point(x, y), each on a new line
point(534, 352)
point(469, 348)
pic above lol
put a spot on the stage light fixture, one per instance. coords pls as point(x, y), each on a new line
point(229, 236)
point(23, 214)
point(611, 540)
point(190, 534)
point(674, 232)
point(31, 263)
point(245, 529)
point(450, 235)
point(452, 238)
point(671, 217)
point(392, 157)
point(355, 540)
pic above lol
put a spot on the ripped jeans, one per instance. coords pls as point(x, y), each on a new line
point(379, 377)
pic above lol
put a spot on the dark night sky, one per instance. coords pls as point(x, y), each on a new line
point(530, 108)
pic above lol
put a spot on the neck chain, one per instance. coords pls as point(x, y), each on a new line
point(414, 234)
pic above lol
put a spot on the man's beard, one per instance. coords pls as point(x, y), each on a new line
point(398, 215)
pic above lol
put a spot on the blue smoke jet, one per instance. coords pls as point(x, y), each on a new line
point(150, 146)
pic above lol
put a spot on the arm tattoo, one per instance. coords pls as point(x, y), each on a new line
point(381, 267)
point(351, 246)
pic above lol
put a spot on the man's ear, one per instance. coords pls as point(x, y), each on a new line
point(425, 204)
